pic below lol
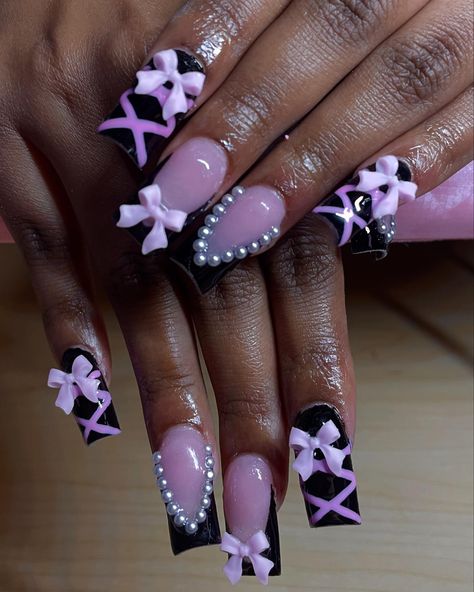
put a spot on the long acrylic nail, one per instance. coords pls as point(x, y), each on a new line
point(176, 193)
point(323, 462)
point(244, 222)
point(84, 393)
point(184, 470)
point(363, 210)
point(149, 113)
point(252, 541)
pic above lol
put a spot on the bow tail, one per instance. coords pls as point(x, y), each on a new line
point(303, 463)
point(370, 180)
point(176, 102)
point(66, 397)
point(156, 239)
point(89, 388)
point(233, 569)
point(262, 568)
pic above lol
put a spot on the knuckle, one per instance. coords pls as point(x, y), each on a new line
point(131, 274)
point(228, 16)
point(66, 310)
point(351, 20)
point(308, 261)
point(165, 387)
point(422, 66)
point(251, 406)
point(40, 244)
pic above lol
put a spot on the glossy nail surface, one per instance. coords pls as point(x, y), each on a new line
point(175, 194)
point(184, 470)
point(242, 224)
point(323, 462)
point(84, 393)
point(252, 540)
point(363, 210)
point(149, 113)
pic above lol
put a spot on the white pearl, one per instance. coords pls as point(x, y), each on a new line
point(162, 483)
point(199, 245)
point(207, 489)
point(209, 462)
point(172, 509)
point(158, 470)
point(179, 519)
point(209, 475)
point(201, 516)
point(227, 200)
point(238, 191)
point(156, 457)
point(204, 232)
point(241, 253)
point(167, 495)
point(218, 210)
point(208, 449)
point(265, 240)
point(214, 260)
point(275, 231)
point(205, 502)
point(199, 259)
point(191, 527)
point(253, 247)
point(210, 220)
point(227, 257)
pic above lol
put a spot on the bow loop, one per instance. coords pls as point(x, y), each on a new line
point(250, 550)
point(81, 380)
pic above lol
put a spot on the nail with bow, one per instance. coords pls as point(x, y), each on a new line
point(149, 113)
point(323, 461)
point(252, 539)
point(83, 392)
point(363, 210)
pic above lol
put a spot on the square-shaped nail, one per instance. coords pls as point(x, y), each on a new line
point(323, 462)
point(184, 471)
point(84, 393)
point(148, 114)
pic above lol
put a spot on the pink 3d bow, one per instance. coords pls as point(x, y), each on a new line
point(305, 445)
point(166, 64)
point(81, 380)
point(153, 213)
point(385, 173)
point(251, 550)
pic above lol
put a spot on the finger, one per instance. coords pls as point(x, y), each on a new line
point(192, 57)
point(258, 102)
point(415, 73)
point(305, 279)
point(235, 333)
point(178, 421)
point(32, 203)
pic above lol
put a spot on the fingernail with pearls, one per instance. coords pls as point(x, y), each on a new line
point(184, 471)
point(243, 223)
point(177, 192)
point(252, 540)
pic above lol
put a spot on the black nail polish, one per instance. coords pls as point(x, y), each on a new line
point(350, 211)
point(140, 123)
point(95, 420)
point(327, 478)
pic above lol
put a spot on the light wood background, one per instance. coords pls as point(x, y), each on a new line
point(87, 520)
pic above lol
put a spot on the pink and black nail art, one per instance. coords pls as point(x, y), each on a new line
point(363, 210)
point(84, 393)
point(323, 462)
point(149, 113)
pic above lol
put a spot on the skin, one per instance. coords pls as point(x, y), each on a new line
point(273, 333)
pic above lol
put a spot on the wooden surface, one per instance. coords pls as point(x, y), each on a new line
point(87, 520)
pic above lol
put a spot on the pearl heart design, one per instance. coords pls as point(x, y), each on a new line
point(189, 523)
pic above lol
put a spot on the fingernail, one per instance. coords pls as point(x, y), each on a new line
point(84, 393)
point(323, 462)
point(149, 113)
point(251, 541)
point(178, 191)
point(243, 223)
point(363, 210)
point(184, 470)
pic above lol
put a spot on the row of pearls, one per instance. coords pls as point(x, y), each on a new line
point(190, 524)
point(201, 245)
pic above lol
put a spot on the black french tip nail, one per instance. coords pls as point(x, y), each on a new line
point(349, 211)
point(95, 420)
point(327, 478)
point(137, 124)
